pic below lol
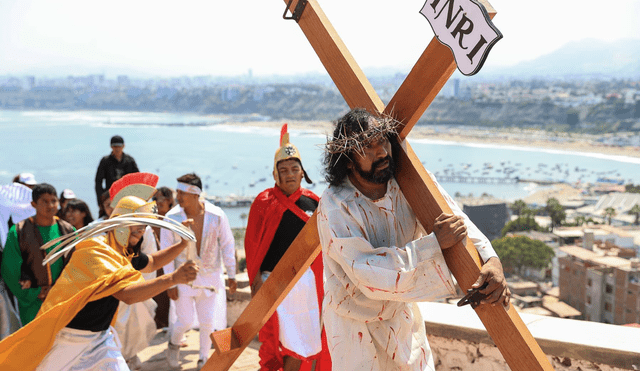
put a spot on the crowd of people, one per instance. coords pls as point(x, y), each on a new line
point(34, 214)
point(157, 258)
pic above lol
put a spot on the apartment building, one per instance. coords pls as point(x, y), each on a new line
point(604, 288)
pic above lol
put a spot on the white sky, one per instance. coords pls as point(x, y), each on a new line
point(229, 37)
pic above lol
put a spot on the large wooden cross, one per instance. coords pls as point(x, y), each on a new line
point(428, 76)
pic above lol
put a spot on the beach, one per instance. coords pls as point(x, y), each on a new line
point(507, 137)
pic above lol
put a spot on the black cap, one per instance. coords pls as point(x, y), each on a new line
point(117, 140)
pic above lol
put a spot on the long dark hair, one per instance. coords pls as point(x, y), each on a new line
point(336, 164)
point(76, 204)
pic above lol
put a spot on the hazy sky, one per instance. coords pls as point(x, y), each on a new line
point(229, 37)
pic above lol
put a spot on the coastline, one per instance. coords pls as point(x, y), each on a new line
point(514, 138)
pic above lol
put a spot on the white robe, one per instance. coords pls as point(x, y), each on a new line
point(377, 263)
point(217, 247)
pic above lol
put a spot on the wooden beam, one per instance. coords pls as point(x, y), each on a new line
point(427, 77)
point(434, 67)
point(358, 92)
point(512, 337)
point(336, 58)
point(230, 343)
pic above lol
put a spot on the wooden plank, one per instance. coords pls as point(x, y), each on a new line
point(336, 58)
point(230, 343)
point(505, 327)
point(427, 77)
point(512, 337)
point(358, 92)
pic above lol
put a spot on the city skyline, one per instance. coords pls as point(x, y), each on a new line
point(161, 39)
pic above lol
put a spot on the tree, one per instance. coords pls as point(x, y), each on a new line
point(632, 188)
point(609, 213)
point(579, 220)
point(518, 206)
point(556, 212)
point(517, 253)
point(635, 211)
point(525, 223)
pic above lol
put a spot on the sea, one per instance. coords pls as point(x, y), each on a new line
point(63, 148)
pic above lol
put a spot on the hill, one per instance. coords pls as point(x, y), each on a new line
point(583, 59)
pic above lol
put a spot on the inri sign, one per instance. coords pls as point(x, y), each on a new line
point(465, 27)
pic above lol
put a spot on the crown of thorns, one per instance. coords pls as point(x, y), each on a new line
point(357, 141)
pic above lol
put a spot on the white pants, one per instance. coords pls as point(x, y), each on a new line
point(212, 316)
point(299, 317)
point(76, 350)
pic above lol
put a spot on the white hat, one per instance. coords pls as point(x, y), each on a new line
point(68, 194)
point(27, 178)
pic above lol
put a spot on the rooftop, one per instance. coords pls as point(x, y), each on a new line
point(590, 256)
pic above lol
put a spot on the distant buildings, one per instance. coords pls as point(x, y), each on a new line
point(595, 271)
point(604, 288)
point(123, 81)
point(621, 202)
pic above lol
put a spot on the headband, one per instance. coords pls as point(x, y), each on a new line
point(189, 188)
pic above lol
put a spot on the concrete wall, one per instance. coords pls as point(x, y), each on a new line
point(593, 311)
point(608, 299)
point(460, 341)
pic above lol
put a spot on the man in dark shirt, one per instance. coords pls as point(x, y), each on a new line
point(114, 166)
point(293, 334)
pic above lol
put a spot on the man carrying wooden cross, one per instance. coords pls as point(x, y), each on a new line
point(291, 339)
point(378, 260)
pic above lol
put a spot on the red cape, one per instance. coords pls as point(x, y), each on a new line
point(264, 218)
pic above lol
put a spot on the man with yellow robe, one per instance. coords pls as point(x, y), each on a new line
point(73, 329)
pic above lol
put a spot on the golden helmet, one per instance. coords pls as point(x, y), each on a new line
point(130, 205)
point(129, 194)
point(286, 151)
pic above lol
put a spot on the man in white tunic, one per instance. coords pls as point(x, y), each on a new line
point(378, 260)
point(214, 246)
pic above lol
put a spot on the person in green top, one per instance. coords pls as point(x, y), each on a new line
point(22, 268)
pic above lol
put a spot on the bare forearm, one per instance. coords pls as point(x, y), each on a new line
point(144, 290)
point(161, 258)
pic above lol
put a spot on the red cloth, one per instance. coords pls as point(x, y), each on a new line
point(264, 218)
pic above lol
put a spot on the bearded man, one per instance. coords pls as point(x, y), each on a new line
point(378, 260)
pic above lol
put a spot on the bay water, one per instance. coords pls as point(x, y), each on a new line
point(63, 148)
